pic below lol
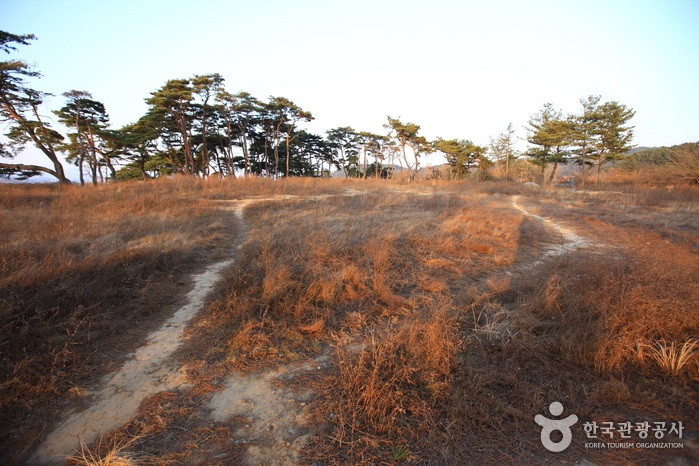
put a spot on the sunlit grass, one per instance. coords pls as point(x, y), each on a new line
point(116, 454)
point(670, 356)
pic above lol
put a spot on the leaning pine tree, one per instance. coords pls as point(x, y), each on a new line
point(19, 107)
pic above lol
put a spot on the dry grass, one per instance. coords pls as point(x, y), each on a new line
point(660, 216)
point(169, 429)
point(85, 271)
point(346, 263)
point(573, 328)
point(601, 307)
point(571, 336)
point(445, 340)
point(440, 357)
point(671, 357)
point(373, 279)
point(116, 454)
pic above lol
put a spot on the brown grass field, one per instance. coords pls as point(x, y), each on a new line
point(447, 326)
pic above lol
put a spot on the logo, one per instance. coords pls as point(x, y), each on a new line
point(551, 425)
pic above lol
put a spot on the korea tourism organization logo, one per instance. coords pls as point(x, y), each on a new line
point(611, 435)
point(549, 426)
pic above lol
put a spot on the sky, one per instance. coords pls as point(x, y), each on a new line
point(460, 69)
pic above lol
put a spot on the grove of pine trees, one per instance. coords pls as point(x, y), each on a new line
point(196, 127)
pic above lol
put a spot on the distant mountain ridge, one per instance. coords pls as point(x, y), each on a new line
point(657, 155)
point(639, 149)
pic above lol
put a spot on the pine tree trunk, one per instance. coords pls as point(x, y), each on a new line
point(507, 167)
point(287, 155)
point(553, 173)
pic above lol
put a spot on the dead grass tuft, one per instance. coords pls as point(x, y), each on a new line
point(116, 454)
point(670, 357)
point(383, 382)
point(391, 388)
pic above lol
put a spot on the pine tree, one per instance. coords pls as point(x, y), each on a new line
point(19, 106)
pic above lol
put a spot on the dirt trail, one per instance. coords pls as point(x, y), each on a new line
point(570, 241)
point(150, 370)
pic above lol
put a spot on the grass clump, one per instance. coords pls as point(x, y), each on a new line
point(671, 357)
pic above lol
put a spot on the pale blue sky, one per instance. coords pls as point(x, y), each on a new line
point(460, 69)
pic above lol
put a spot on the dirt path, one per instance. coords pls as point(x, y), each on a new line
point(570, 241)
point(150, 370)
